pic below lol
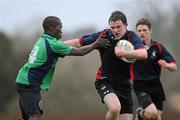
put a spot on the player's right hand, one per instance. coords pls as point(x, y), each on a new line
point(102, 42)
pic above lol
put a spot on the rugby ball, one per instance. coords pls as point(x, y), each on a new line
point(126, 46)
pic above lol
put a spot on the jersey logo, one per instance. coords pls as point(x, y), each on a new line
point(40, 105)
point(106, 92)
point(104, 87)
point(33, 55)
point(143, 94)
point(154, 55)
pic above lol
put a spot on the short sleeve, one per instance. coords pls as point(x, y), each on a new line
point(88, 39)
point(60, 48)
point(136, 41)
point(165, 55)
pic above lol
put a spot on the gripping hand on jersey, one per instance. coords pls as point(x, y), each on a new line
point(102, 42)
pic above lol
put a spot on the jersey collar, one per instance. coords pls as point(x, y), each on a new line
point(48, 36)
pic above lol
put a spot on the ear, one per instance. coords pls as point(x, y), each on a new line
point(126, 24)
point(150, 30)
point(51, 28)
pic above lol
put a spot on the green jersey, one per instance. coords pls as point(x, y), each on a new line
point(39, 69)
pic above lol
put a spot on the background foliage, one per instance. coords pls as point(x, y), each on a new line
point(73, 88)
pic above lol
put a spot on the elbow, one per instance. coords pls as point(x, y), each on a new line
point(81, 54)
point(118, 54)
point(144, 54)
point(174, 68)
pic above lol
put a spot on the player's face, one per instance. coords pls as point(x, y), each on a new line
point(57, 30)
point(143, 32)
point(118, 28)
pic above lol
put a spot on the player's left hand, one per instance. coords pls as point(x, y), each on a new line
point(119, 52)
point(102, 42)
point(162, 63)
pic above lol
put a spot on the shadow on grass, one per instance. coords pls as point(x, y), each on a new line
point(78, 116)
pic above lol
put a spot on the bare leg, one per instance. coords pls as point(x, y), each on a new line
point(125, 116)
point(35, 117)
point(114, 106)
point(159, 115)
point(150, 112)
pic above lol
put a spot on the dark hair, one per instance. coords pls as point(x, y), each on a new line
point(118, 15)
point(50, 21)
point(144, 21)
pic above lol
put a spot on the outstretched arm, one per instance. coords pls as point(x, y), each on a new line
point(100, 42)
point(73, 42)
point(82, 50)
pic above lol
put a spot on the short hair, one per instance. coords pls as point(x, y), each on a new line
point(144, 21)
point(118, 15)
point(50, 21)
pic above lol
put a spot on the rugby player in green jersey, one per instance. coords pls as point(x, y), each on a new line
point(37, 73)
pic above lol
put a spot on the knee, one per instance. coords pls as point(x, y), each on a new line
point(150, 115)
point(35, 117)
point(115, 110)
point(159, 115)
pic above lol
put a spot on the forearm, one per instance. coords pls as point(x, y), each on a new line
point(73, 42)
point(82, 50)
point(138, 54)
point(100, 42)
point(171, 66)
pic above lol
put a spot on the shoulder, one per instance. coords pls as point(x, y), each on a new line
point(106, 33)
point(132, 35)
point(106, 30)
point(130, 32)
point(158, 45)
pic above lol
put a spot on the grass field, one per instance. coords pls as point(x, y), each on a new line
point(78, 116)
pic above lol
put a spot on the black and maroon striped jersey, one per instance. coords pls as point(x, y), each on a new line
point(149, 69)
point(112, 67)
